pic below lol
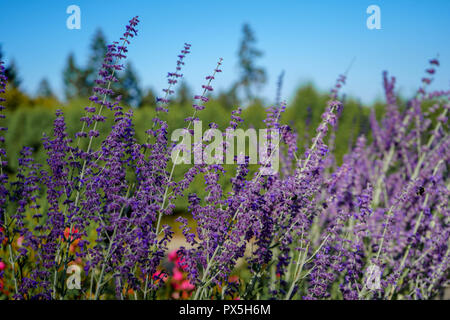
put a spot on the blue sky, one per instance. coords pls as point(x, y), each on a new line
point(311, 40)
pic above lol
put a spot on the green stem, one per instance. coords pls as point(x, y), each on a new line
point(13, 269)
point(408, 248)
point(298, 272)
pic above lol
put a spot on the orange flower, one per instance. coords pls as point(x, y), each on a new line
point(130, 291)
point(185, 295)
point(67, 233)
point(74, 244)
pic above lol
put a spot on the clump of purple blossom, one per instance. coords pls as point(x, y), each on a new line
point(310, 231)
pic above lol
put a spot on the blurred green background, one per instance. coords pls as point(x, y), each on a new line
point(30, 116)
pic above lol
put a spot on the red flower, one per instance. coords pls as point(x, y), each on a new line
point(74, 243)
point(159, 275)
point(179, 262)
point(67, 233)
point(187, 286)
point(173, 256)
point(177, 274)
point(2, 231)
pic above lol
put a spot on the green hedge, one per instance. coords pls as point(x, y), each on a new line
point(28, 124)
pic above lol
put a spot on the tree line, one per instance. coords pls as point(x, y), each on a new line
point(78, 80)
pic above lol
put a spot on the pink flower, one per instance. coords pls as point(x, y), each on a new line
point(159, 275)
point(187, 286)
point(177, 274)
point(182, 263)
point(176, 286)
point(20, 241)
point(179, 262)
point(173, 256)
point(176, 295)
point(2, 266)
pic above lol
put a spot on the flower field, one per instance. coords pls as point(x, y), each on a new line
point(92, 222)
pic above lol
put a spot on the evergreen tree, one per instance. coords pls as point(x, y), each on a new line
point(1, 53)
point(99, 49)
point(78, 81)
point(44, 89)
point(75, 80)
point(11, 71)
point(70, 75)
point(128, 86)
point(228, 98)
point(13, 75)
point(250, 74)
point(184, 95)
point(148, 98)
